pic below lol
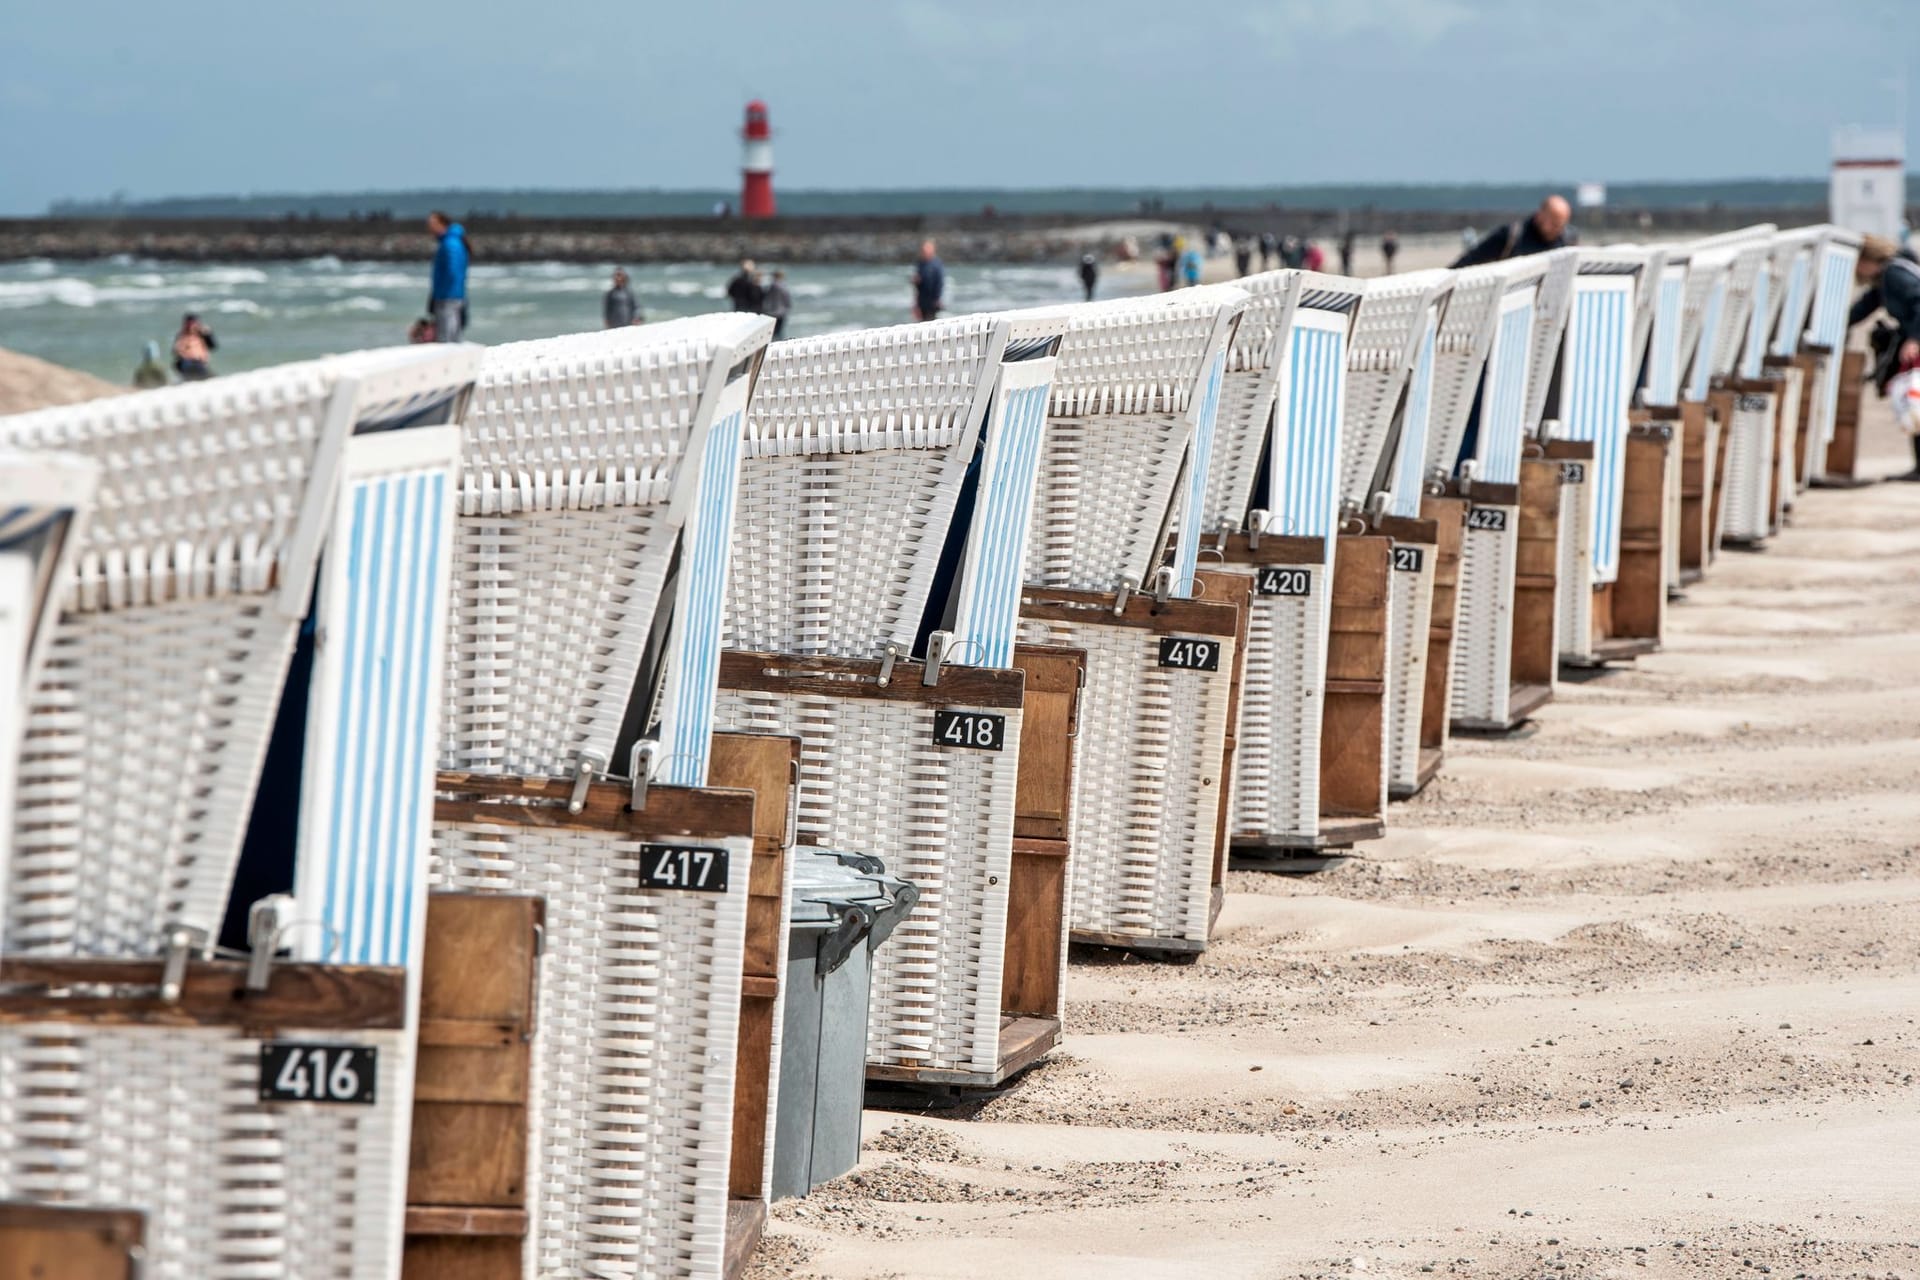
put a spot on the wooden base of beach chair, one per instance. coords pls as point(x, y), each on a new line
point(746, 1221)
point(1449, 516)
point(1629, 613)
point(1536, 588)
point(1523, 701)
point(1338, 832)
point(1353, 783)
point(1843, 451)
point(1033, 969)
point(62, 1242)
point(1023, 1042)
point(1697, 430)
point(1415, 544)
point(1431, 760)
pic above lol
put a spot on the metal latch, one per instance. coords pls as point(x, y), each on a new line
point(1127, 587)
point(1256, 525)
point(265, 921)
point(642, 762)
point(936, 650)
point(182, 941)
point(590, 766)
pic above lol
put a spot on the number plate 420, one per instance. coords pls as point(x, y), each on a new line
point(317, 1072)
point(690, 867)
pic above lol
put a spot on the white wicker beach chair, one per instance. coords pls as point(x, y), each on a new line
point(265, 1132)
point(588, 461)
point(1826, 335)
point(1131, 449)
point(1550, 306)
point(1599, 365)
point(1482, 692)
point(44, 503)
point(189, 586)
point(857, 454)
point(1383, 445)
point(1283, 401)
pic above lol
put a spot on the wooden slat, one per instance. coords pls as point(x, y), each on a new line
point(58, 1242)
point(1638, 597)
point(302, 997)
point(1036, 928)
point(1352, 759)
point(457, 1257)
point(1450, 523)
point(1049, 719)
point(746, 1221)
point(464, 1073)
point(1844, 449)
point(479, 960)
point(1181, 617)
point(468, 1154)
point(1239, 548)
point(1235, 589)
point(447, 1220)
point(859, 678)
point(1692, 434)
point(1536, 648)
point(671, 812)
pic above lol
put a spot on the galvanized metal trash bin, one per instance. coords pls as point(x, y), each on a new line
point(844, 906)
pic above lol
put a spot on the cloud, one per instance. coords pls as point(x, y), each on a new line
point(1291, 27)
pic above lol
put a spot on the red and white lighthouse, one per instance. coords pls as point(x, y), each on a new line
point(756, 164)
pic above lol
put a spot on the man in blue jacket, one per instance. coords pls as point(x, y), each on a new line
point(448, 302)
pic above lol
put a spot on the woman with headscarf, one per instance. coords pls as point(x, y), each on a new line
point(150, 372)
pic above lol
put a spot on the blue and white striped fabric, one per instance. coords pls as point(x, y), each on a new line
point(1663, 353)
point(1827, 327)
point(372, 737)
point(1754, 353)
point(1786, 336)
point(1409, 478)
point(1701, 379)
point(1303, 488)
point(1503, 413)
point(1199, 464)
point(693, 673)
point(1595, 382)
point(988, 614)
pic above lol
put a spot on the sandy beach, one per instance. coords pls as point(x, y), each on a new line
point(1638, 995)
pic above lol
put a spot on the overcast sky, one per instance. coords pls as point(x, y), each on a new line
point(333, 95)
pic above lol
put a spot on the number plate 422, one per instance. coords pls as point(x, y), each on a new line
point(1493, 518)
point(692, 867)
point(317, 1072)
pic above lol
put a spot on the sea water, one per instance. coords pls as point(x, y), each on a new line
point(96, 316)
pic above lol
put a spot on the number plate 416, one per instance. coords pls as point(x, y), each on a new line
point(317, 1073)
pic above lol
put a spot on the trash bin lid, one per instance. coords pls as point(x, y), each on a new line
point(821, 883)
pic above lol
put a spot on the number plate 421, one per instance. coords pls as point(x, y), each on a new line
point(317, 1072)
point(692, 867)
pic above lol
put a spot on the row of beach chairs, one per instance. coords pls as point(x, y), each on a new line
point(405, 756)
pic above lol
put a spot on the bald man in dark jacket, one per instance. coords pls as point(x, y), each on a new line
point(1546, 229)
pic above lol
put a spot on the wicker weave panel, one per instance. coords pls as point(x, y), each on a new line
point(111, 842)
point(872, 780)
point(1386, 328)
point(1246, 413)
point(1482, 681)
point(1750, 467)
point(1410, 614)
point(1574, 586)
point(1277, 767)
point(168, 1121)
point(1551, 303)
point(1794, 298)
point(1104, 488)
point(639, 1018)
point(1460, 349)
point(1146, 797)
point(1743, 294)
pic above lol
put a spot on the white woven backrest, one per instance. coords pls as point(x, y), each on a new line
point(1409, 476)
point(1664, 357)
point(1550, 305)
point(1597, 374)
point(160, 686)
point(1760, 312)
point(1388, 328)
point(856, 451)
point(1303, 479)
point(1503, 409)
point(1832, 288)
point(1743, 276)
point(1134, 392)
point(1248, 383)
point(1460, 354)
point(44, 503)
point(373, 723)
point(582, 461)
point(1702, 316)
point(1793, 262)
point(987, 599)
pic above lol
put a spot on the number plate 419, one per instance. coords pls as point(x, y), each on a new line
point(1188, 654)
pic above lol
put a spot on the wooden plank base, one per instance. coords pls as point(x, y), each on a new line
point(746, 1220)
point(1024, 1041)
point(1431, 758)
point(1289, 862)
point(1180, 949)
point(1334, 833)
point(1624, 649)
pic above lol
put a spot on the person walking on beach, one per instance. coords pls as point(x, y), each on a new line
point(1190, 266)
point(1242, 255)
point(1167, 260)
point(1892, 276)
point(1089, 274)
point(929, 283)
point(150, 373)
point(193, 349)
point(1546, 229)
point(777, 303)
point(745, 290)
point(1346, 252)
point(447, 300)
point(619, 309)
point(1292, 252)
point(1312, 256)
point(1269, 249)
point(1389, 249)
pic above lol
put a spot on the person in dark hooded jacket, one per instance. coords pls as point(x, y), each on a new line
point(1892, 276)
point(1545, 230)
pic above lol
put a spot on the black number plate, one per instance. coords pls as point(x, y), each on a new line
point(697, 868)
point(1408, 559)
point(318, 1072)
point(1751, 404)
point(1493, 518)
point(1189, 655)
point(1573, 473)
point(1280, 580)
point(976, 729)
